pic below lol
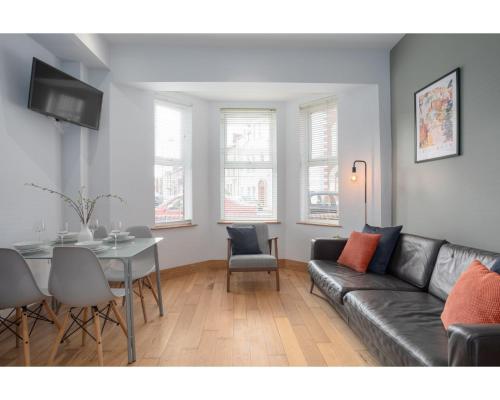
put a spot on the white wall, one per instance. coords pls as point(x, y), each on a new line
point(30, 150)
point(30, 146)
point(358, 128)
point(156, 63)
point(132, 173)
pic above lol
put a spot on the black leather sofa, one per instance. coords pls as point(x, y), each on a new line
point(397, 315)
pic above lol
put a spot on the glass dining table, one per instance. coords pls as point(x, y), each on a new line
point(124, 252)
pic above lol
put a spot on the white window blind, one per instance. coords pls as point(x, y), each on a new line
point(173, 187)
point(320, 166)
point(248, 164)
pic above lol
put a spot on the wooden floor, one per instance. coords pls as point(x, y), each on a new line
point(205, 326)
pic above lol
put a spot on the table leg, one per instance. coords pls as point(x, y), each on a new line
point(158, 280)
point(129, 310)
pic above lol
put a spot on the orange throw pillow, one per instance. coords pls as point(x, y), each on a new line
point(475, 298)
point(359, 250)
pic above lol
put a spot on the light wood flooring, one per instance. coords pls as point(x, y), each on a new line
point(205, 326)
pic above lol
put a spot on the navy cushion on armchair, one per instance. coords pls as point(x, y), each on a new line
point(386, 245)
point(244, 240)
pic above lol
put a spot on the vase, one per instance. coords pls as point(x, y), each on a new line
point(85, 233)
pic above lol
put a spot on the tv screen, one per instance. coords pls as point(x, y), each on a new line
point(59, 95)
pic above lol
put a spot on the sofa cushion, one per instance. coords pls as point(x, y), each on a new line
point(475, 298)
point(413, 259)
point(402, 328)
point(335, 280)
point(386, 245)
point(359, 250)
point(451, 262)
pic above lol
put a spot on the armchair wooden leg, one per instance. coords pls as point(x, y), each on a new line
point(119, 317)
point(228, 281)
point(84, 318)
point(143, 304)
point(277, 279)
point(312, 286)
point(98, 338)
point(52, 315)
point(57, 341)
point(26, 337)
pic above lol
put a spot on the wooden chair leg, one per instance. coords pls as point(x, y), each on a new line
point(228, 281)
point(143, 304)
point(18, 325)
point(52, 315)
point(312, 286)
point(26, 337)
point(277, 279)
point(84, 321)
point(98, 338)
point(57, 341)
point(150, 284)
point(118, 317)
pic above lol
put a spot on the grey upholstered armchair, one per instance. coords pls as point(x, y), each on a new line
point(255, 262)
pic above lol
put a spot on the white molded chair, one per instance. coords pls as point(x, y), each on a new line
point(78, 282)
point(18, 290)
point(143, 266)
point(255, 262)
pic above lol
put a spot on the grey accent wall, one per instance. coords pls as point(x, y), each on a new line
point(456, 198)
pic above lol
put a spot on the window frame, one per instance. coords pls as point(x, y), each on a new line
point(185, 161)
point(307, 161)
point(272, 164)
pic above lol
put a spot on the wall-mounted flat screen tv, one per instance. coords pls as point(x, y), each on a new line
point(59, 95)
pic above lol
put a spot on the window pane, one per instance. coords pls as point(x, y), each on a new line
point(323, 199)
point(169, 194)
point(248, 194)
point(168, 132)
point(323, 125)
point(248, 139)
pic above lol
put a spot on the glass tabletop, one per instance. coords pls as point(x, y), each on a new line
point(124, 249)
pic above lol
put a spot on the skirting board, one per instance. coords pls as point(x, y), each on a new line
point(221, 264)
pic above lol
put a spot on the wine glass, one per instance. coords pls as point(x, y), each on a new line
point(39, 227)
point(62, 232)
point(117, 228)
point(93, 226)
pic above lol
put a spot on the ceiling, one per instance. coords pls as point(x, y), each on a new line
point(246, 91)
point(290, 40)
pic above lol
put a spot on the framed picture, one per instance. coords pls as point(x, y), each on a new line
point(437, 119)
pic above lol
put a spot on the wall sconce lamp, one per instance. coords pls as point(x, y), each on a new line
point(354, 179)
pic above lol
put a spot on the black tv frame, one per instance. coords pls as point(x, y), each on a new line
point(57, 117)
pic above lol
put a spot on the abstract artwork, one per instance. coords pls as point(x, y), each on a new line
point(437, 130)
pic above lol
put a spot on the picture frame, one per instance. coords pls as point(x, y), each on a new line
point(437, 118)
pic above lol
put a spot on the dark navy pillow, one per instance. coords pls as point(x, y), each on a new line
point(496, 266)
point(386, 245)
point(244, 240)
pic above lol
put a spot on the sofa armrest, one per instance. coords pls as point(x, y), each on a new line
point(471, 345)
point(327, 249)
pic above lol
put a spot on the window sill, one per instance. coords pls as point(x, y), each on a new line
point(223, 222)
point(331, 224)
point(173, 225)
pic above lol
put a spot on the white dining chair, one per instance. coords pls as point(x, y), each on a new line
point(143, 266)
point(77, 281)
point(19, 290)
